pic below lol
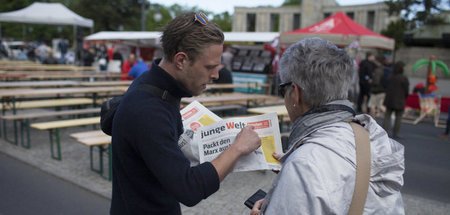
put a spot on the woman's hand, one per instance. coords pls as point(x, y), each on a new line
point(277, 156)
point(257, 207)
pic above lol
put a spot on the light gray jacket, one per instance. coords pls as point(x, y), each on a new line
point(319, 176)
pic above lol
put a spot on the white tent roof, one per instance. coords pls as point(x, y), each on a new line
point(124, 35)
point(133, 38)
point(46, 13)
point(153, 35)
point(263, 37)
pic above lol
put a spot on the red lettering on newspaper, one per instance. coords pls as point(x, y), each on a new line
point(190, 113)
point(260, 124)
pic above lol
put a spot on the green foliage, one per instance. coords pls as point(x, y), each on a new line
point(292, 3)
point(110, 15)
point(395, 30)
point(414, 11)
point(152, 24)
point(223, 20)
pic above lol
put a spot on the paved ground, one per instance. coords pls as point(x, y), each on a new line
point(426, 188)
point(25, 190)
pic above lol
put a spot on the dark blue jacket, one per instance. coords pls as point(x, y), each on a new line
point(150, 173)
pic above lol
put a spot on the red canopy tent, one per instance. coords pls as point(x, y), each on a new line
point(341, 30)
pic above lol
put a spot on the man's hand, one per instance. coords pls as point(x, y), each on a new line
point(246, 141)
point(257, 207)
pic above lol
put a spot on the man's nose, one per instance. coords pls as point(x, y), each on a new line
point(215, 74)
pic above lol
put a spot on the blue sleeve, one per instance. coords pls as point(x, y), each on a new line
point(157, 142)
point(133, 71)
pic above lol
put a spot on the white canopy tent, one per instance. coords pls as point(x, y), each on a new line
point(152, 37)
point(46, 13)
point(255, 37)
point(133, 38)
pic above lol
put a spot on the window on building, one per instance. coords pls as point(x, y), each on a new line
point(351, 15)
point(274, 22)
point(326, 15)
point(251, 22)
point(297, 21)
point(371, 20)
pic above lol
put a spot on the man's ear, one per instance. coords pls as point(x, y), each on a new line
point(180, 59)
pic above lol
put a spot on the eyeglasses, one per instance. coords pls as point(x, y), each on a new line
point(282, 88)
point(201, 18)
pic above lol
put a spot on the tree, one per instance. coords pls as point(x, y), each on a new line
point(158, 25)
point(110, 15)
point(292, 3)
point(223, 20)
point(395, 30)
point(413, 13)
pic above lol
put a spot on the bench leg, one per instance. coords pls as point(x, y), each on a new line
point(100, 156)
point(5, 133)
point(25, 125)
point(58, 146)
point(101, 150)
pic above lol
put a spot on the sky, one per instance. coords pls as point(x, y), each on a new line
point(219, 6)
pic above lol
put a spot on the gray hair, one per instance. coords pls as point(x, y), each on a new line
point(319, 68)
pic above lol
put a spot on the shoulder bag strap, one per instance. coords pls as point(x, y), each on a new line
point(164, 94)
point(362, 143)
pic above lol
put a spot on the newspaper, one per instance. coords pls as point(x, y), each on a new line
point(194, 116)
point(206, 135)
point(216, 138)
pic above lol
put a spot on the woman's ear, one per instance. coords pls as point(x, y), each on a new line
point(179, 59)
point(297, 94)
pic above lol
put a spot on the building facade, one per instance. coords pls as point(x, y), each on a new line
point(281, 19)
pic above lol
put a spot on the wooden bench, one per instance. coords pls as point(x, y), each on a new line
point(54, 126)
point(45, 103)
point(100, 140)
point(24, 120)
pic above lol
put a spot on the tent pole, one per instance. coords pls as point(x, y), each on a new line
point(23, 32)
point(75, 44)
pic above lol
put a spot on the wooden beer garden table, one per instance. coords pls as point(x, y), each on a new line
point(229, 98)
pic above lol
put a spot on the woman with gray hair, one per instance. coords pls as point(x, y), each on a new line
point(319, 167)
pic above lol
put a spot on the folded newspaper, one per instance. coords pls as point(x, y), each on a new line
point(206, 136)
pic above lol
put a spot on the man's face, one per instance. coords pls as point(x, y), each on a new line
point(205, 69)
point(132, 58)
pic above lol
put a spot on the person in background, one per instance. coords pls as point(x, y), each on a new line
point(151, 175)
point(111, 52)
point(103, 58)
point(42, 51)
point(137, 70)
point(126, 66)
point(319, 168)
point(22, 55)
point(447, 127)
point(89, 56)
point(3, 50)
point(63, 46)
point(225, 77)
point(377, 93)
point(366, 68)
point(227, 57)
point(50, 59)
point(395, 100)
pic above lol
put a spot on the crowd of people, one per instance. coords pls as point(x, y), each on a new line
point(383, 89)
